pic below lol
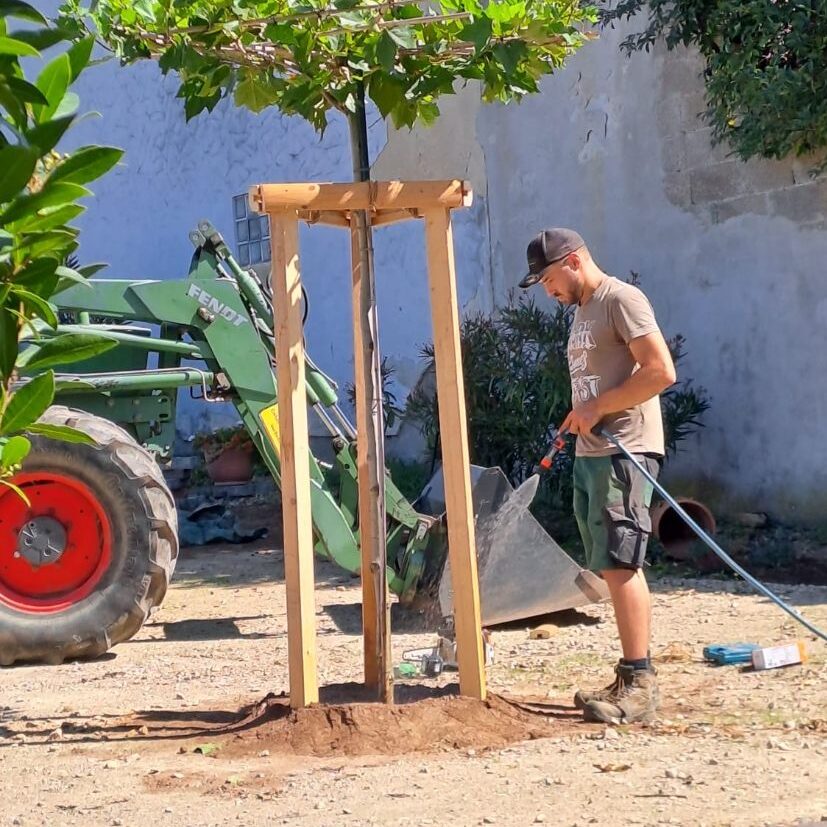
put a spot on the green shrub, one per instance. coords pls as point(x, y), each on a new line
point(766, 84)
point(40, 191)
point(517, 390)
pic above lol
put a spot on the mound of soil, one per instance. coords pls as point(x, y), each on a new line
point(382, 729)
point(346, 722)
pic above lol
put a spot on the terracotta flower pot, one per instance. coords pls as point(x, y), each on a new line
point(679, 541)
point(232, 465)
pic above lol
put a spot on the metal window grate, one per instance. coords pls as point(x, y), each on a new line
point(252, 233)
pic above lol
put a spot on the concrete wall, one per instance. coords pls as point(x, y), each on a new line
point(733, 255)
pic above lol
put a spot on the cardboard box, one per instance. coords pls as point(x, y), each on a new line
point(771, 657)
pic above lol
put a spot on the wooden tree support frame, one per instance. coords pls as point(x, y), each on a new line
point(383, 203)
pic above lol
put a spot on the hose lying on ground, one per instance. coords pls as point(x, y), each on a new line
point(712, 544)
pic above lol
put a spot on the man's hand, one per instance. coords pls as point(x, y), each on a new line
point(583, 419)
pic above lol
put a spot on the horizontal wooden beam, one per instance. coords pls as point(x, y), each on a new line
point(329, 217)
point(386, 217)
point(336, 218)
point(368, 195)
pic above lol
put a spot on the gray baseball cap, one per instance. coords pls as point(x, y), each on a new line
point(546, 248)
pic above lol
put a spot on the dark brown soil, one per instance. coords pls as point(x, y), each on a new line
point(383, 729)
point(423, 719)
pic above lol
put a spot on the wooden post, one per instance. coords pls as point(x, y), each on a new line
point(455, 462)
point(295, 462)
point(370, 459)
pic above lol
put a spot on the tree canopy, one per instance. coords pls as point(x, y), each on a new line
point(309, 57)
point(765, 66)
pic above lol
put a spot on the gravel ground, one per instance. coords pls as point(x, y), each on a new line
point(114, 741)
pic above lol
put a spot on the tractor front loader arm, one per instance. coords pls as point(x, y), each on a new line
point(221, 317)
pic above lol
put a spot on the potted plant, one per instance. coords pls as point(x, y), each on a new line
point(228, 454)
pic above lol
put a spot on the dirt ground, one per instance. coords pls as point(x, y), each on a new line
point(176, 726)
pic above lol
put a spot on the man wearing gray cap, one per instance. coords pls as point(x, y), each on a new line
point(619, 363)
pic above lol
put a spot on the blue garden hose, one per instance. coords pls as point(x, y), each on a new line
point(758, 586)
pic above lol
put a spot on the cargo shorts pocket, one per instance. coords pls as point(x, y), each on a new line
point(628, 534)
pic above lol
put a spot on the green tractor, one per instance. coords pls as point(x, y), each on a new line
point(90, 558)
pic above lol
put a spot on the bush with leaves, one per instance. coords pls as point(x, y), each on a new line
point(40, 188)
point(518, 389)
point(517, 386)
point(391, 408)
point(682, 405)
point(766, 66)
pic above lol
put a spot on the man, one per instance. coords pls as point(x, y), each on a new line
point(619, 363)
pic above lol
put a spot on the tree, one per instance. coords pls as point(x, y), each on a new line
point(314, 57)
point(39, 192)
point(765, 73)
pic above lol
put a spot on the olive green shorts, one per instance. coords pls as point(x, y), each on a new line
point(611, 505)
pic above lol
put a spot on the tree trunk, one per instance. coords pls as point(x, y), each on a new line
point(372, 525)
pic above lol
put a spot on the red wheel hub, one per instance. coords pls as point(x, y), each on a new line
point(53, 552)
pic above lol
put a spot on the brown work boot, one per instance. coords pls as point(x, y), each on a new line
point(585, 696)
point(636, 700)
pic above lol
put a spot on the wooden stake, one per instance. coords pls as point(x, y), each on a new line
point(371, 463)
point(455, 463)
point(295, 465)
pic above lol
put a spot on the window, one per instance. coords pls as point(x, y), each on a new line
point(252, 233)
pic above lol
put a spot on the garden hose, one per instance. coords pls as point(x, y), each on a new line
point(760, 587)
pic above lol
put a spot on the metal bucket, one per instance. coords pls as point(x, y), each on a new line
point(522, 571)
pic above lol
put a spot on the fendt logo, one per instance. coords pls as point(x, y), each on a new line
point(215, 306)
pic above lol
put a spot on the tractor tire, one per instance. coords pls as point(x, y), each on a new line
point(84, 565)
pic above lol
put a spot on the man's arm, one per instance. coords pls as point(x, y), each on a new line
point(655, 374)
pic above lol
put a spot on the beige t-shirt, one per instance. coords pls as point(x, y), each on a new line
point(600, 359)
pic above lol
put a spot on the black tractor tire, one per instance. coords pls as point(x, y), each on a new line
point(128, 487)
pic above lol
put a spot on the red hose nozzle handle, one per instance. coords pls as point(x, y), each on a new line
point(558, 445)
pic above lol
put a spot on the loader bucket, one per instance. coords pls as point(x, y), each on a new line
point(522, 571)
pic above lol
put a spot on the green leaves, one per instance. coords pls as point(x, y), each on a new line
point(62, 432)
point(79, 55)
point(36, 305)
point(15, 451)
point(255, 93)
point(53, 82)
point(10, 46)
point(22, 11)
point(46, 135)
point(387, 92)
point(39, 191)
point(309, 64)
point(17, 164)
point(28, 403)
point(55, 193)
point(63, 350)
point(478, 32)
point(765, 78)
point(86, 164)
point(8, 341)
point(386, 51)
